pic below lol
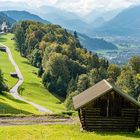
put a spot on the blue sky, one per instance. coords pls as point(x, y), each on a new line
point(81, 6)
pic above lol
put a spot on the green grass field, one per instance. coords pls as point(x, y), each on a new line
point(7, 67)
point(32, 88)
point(59, 132)
point(11, 106)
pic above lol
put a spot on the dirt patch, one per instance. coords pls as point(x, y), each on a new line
point(31, 120)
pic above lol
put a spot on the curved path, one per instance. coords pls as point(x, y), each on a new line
point(14, 90)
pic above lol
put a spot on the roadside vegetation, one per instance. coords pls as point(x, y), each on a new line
point(3, 86)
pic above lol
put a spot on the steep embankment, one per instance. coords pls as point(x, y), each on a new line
point(32, 88)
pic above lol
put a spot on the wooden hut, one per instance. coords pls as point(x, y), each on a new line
point(3, 49)
point(14, 74)
point(104, 107)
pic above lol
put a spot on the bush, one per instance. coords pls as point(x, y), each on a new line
point(69, 101)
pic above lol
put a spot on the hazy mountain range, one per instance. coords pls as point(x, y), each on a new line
point(89, 43)
point(66, 19)
point(95, 44)
point(126, 23)
point(24, 15)
point(97, 23)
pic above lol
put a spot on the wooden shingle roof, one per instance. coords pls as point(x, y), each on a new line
point(96, 91)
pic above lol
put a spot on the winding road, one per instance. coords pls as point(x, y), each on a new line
point(14, 90)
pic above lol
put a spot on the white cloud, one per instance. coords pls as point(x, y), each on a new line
point(85, 6)
point(81, 6)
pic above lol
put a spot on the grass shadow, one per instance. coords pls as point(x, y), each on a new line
point(26, 62)
point(135, 134)
point(2, 39)
point(7, 109)
point(61, 99)
point(13, 99)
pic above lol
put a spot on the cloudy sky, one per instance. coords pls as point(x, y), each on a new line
point(81, 6)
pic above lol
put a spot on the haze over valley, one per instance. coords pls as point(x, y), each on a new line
point(113, 25)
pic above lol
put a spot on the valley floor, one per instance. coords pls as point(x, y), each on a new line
point(60, 132)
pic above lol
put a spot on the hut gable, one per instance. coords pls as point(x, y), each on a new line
point(96, 91)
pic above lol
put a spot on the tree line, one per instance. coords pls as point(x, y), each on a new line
point(3, 86)
point(65, 66)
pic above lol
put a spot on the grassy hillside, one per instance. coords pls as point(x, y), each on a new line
point(11, 106)
point(59, 132)
point(7, 67)
point(32, 89)
point(122, 25)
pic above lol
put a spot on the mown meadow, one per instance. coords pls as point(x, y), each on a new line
point(60, 132)
point(32, 88)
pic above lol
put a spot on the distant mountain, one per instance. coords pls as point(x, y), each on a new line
point(24, 15)
point(49, 11)
point(100, 13)
point(5, 18)
point(98, 22)
point(64, 18)
point(127, 23)
point(94, 44)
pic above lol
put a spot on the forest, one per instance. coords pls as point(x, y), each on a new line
point(65, 66)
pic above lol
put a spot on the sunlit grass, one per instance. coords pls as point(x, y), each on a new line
point(11, 106)
point(32, 88)
point(7, 67)
point(60, 132)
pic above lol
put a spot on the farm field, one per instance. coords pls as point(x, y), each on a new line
point(32, 88)
point(60, 132)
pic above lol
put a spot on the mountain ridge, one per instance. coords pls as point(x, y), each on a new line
point(24, 15)
point(126, 23)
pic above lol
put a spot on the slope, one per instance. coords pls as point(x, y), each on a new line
point(94, 44)
point(63, 18)
point(32, 89)
point(7, 68)
point(9, 105)
point(24, 15)
point(127, 23)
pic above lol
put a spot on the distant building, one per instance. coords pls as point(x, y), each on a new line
point(4, 27)
point(3, 49)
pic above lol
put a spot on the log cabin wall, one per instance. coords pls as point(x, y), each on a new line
point(139, 118)
point(110, 112)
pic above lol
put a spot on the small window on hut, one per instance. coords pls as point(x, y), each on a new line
point(110, 105)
